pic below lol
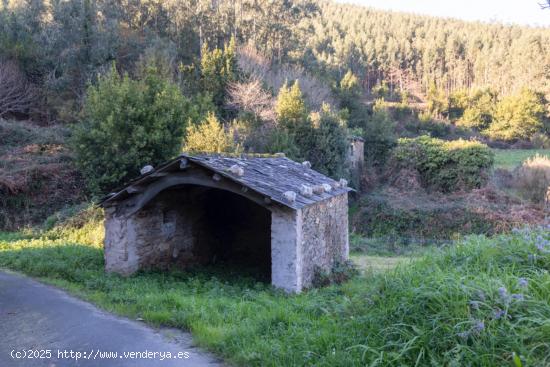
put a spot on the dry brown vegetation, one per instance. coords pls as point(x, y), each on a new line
point(36, 174)
point(397, 204)
point(532, 179)
point(250, 97)
point(17, 95)
point(258, 67)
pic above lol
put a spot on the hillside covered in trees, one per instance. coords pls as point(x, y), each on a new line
point(60, 46)
point(405, 50)
point(132, 83)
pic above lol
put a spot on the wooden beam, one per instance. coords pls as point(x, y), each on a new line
point(198, 178)
point(133, 189)
point(160, 174)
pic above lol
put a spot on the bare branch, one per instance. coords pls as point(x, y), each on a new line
point(256, 65)
point(17, 95)
point(251, 97)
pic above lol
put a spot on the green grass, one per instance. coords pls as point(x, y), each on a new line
point(443, 309)
point(511, 158)
point(375, 264)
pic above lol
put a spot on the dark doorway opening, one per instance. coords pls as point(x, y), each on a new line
point(235, 231)
point(218, 228)
point(203, 226)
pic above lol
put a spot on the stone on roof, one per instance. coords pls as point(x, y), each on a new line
point(270, 176)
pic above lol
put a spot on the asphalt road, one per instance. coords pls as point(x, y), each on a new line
point(40, 318)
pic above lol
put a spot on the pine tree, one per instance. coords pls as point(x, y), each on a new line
point(218, 69)
point(328, 143)
point(210, 136)
point(290, 108)
point(350, 99)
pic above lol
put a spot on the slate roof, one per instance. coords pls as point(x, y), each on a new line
point(270, 176)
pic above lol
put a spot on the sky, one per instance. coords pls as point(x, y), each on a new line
point(526, 12)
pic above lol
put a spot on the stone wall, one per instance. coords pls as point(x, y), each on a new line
point(324, 236)
point(159, 235)
point(187, 227)
point(286, 253)
point(118, 251)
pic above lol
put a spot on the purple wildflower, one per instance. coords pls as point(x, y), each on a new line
point(498, 313)
point(503, 292)
point(479, 326)
point(464, 335)
point(523, 283)
point(518, 297)
point(474, 305)
point(481, 295)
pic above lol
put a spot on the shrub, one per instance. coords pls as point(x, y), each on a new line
point(340, 272)
point(17, 95)
point(349, 91)
point(37, 175)
point(458, 102)
point(210, 137)
point(437, 103)
point(479, 111)
point(281, 141)
point(415, 216)
point(379, 135)
point(445, 165)
point(218, 69)
point(541, 141)
point(324, 142)
point(533, 178)
point(381, 90)
point(427, 125)
point(401, 111)
point(128, 124)
point(82, 223)
point(518, 117)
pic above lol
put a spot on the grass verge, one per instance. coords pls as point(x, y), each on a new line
point(511, 158)
point(478, 303)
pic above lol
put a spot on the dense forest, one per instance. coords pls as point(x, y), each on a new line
point(60, 46)
point(298, 77)
point(406, 49)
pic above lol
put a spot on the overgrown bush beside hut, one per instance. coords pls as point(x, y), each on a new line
point(444, 165)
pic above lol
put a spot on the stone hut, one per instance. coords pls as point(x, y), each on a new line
point(279, 216)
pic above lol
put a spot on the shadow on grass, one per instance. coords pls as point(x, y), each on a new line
point(69, 262)
point(83, 266)
point(9, 237)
